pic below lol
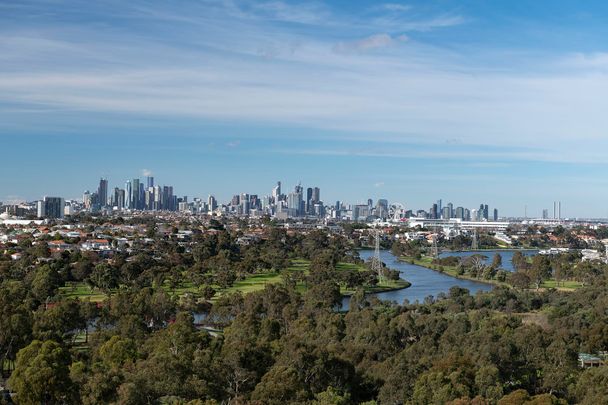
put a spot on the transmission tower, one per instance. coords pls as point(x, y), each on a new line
point(435, 248)
point(376, 263)
point(474, 243)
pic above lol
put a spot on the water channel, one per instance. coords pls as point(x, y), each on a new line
point(427, 282)
point(507, 256)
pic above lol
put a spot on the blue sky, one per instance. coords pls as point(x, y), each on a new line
point(473, 101)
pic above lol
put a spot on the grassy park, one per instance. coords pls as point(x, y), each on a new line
point(249, 284)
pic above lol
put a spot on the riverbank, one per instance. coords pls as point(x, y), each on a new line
point(426, 262)
point(451, 271)
point(505, 249)
point(386, 286)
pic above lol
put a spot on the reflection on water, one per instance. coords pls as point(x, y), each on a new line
point(424, 281)
point(506, 255)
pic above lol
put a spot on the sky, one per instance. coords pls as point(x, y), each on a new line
point(500, 102)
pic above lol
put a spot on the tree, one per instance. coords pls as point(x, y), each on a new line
point(592, 386)
point(45, 283)
point(497, 261)
point(540, 270)
point(104, 277)
point(519, 261)
point(519, 280)
point(42, 373)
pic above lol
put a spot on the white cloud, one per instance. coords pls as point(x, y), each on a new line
point(369, 43)
point(238, 69)
point(146, 172)
point(395, 7)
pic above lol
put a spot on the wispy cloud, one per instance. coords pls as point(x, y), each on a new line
point(395, 7)
point(375, 41)
point(259, 63)
point(146, 172)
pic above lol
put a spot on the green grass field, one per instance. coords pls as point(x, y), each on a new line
point(252, 283)
point(82, 291)
point(565, 285)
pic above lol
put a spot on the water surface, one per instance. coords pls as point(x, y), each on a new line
point(507, 256)
point(424, 281)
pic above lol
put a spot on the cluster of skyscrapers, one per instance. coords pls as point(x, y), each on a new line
point(438, 211)
point(136, 195)
point(291, 205)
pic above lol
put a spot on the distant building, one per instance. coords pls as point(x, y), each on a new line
point(212, 203)
point(135, 200)
point(51, 207)
point(102, 192)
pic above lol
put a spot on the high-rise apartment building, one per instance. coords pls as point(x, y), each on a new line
point(128, 195)
point(212, 203)
point(51, 207)
point(102, 192)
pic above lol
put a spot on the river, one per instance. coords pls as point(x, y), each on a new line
point(506, 255)
point(424, 281)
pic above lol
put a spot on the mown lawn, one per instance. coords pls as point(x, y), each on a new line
point(82, 291)
point(567, 285)
point(252, 283)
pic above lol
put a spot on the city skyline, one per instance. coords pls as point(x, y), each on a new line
point(107, 191)
point(146, 194)
point(405, 100)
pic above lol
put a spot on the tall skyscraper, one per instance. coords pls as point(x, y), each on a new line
point(276, 192)
point(86, 200)
point(102, 192)
point(495, 216)
point(135, 200)
point(142, 196)
point(150, 181)
point(295, 202)
point(119, 198)
point(212, 203)
point(309, 201)
point(128, 195)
